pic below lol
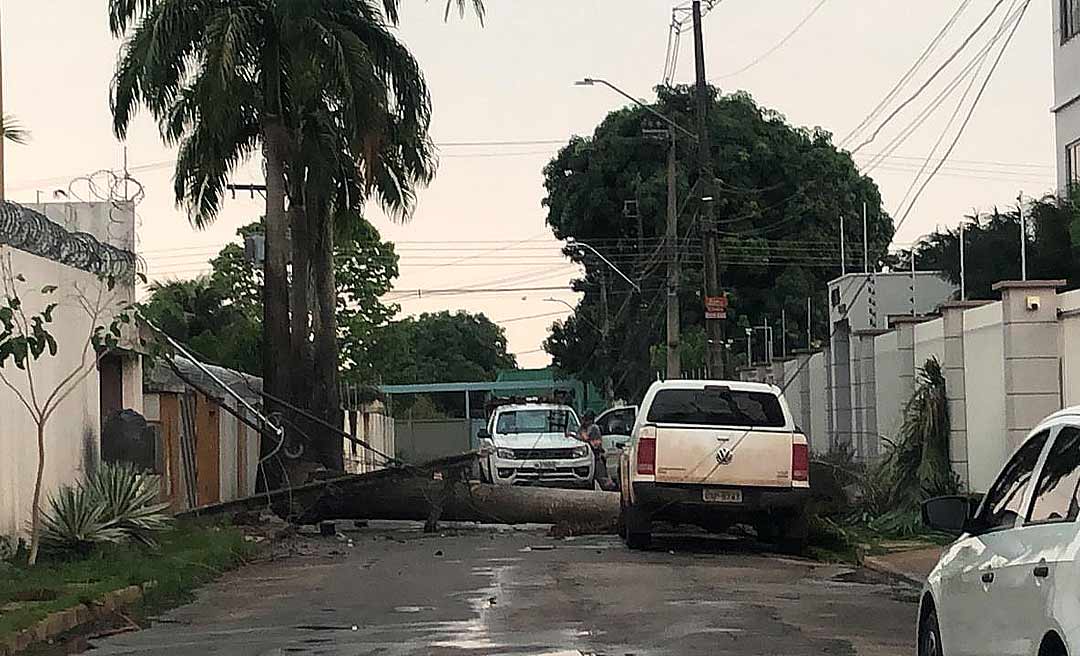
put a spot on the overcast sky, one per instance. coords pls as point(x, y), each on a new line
point(480, 224)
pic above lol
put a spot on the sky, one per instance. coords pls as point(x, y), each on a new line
point(504, 99)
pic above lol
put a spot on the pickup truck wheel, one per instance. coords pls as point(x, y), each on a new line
point(636, 527)
point(796, 532)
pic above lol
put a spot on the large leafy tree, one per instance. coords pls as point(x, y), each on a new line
point(992, 247)
point(336, 104)
point(441, 347)
point(776, 199)
point(202, 314)
point(219, 315)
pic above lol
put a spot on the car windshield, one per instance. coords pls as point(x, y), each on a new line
point(717, 406)
point(536, 421)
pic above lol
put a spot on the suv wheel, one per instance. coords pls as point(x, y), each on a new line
point(929, 634)
point(636, 527)
point(795, 533)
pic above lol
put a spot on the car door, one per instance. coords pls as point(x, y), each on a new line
point(615, 426)
point(1041, 546)
point(969, 612)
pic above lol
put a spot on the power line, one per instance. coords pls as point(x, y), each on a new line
point(929, 80)
point(909, 73)
point(967, 118)
point(972, 70)
point(780, 44)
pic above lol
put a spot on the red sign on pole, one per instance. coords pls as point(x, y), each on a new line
point(716, 307)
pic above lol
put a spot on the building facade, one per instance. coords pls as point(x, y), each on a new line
point(1067, 91)
point(76, 248)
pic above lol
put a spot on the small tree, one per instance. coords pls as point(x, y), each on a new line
point(26, 342)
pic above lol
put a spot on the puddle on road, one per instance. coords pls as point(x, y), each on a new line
point(706, 603)
point(413, 609)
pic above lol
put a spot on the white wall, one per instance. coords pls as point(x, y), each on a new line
point(984, 380)
point(929, 341)
point(889, 396)
point(73, 434)
point(792, 393)
point(893, 296)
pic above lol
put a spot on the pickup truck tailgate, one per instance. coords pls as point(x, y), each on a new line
point(719, 456)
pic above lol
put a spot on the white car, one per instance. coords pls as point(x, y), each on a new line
point(536, 444)
point(1011, 583)
point(715, 453)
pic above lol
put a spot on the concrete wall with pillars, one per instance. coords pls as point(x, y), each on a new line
point(1007, 365)
point(952, 319)
point(1030, 333)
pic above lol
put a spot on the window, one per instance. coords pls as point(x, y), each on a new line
point(536, 421)
point(717, 406)
point(1070, 19)
point(1055, 495)
point(617, 422)
point(1002, 506)
point(1072, 161)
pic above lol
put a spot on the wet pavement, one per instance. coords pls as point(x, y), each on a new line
point(481, 591)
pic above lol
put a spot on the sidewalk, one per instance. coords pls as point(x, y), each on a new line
point(910, 562)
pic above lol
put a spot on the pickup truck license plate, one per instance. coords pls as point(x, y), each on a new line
point(721, 496)
point(546, 465)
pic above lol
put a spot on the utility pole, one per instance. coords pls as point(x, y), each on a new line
point(809, 339)
point(671, 238)
point(865, 242)
point(914, 311)
point(714, 328)
point(605, 329)
point(843, 257)
point(783, 332)
point(963, 291)
point(1023, 236)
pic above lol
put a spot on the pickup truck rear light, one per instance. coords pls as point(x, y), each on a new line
point(800, 462)
point(646, 450)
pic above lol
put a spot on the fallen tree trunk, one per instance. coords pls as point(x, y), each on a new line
point(405, 496)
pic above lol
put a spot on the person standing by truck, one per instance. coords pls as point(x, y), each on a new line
point(591, 434)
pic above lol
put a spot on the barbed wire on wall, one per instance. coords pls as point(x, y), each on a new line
point(35, 233)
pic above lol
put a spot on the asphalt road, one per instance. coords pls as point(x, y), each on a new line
point(395, 591)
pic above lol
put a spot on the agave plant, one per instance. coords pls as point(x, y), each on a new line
point(128, 500)
point(75, 522)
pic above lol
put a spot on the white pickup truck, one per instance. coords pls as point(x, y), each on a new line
point(715, 453)
point(536, 444)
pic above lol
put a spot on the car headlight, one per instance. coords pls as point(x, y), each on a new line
point(581, 451)
point(505, 454)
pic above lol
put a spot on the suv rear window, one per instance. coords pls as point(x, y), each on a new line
point(716, 406)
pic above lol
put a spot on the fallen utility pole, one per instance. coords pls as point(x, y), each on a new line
point(714, 328)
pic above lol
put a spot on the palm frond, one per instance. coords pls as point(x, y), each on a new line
point(10, 130)
point(128, 501)
point(75, 522)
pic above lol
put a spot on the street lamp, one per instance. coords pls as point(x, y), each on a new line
point(573, 242)
point(590, 81)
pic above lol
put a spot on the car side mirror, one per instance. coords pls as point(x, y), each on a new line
point(951, 514)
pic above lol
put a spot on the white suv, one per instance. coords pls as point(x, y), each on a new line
point(715, 453)
point(536, 444)
point(1009, 584)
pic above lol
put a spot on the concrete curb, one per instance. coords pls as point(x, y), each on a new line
point(876, 565)
point(60, 622)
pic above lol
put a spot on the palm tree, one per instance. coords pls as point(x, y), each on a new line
point(10, 130)
point(226, 80)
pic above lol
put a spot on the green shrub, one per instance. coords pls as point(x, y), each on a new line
point(128, 499)
point(75, 522)
point(113, 505)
